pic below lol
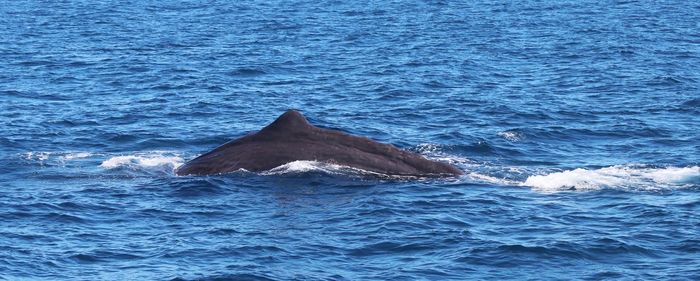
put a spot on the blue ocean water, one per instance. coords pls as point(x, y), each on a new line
point(576, 123)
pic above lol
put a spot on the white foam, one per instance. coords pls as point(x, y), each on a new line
point(434, 152)
point(299, 167)
point(54, 157)
point(148, 160)
point(580, 179)
point(428, 148)
point(479, 177)
point(511, 135)
point(36, 155)
point(75, 155)
point(305, 166)
point(675, 175)
point(473, 171)
point(633, 177)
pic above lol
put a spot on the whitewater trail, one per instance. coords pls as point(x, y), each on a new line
point(624, 177)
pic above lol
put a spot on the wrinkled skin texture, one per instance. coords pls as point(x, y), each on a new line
point(291, 138)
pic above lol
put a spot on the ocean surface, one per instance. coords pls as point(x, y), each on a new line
point(576, 124)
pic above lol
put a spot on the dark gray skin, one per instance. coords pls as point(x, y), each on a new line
point(291, 138)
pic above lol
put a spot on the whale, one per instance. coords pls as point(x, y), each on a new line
point(292, 138)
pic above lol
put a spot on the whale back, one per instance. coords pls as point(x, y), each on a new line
point(291, 137)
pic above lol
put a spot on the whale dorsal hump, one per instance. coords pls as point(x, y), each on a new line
point(290, 121)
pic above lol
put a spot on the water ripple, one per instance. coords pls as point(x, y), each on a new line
point(575, 124)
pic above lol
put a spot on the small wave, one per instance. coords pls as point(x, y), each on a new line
point(437, 153)
point(665, 80)
point(248, 72)
point(75, 155)
point(477, 171)
point(158, 160)
point(692, 105)
point(36, 155)
point(633, 177)
point(240, 276)
point(511, 135)
point(54, 158)
point(473, 170)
